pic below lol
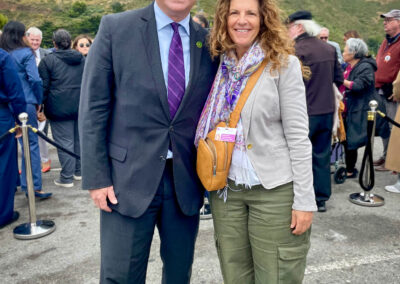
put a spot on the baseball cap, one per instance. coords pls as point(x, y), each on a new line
point(392, 14)
point(299, 15)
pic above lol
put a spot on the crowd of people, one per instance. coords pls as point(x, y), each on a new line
point(135, 102)
point(50, 80)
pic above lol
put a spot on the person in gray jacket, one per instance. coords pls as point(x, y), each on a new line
point(61, 72)
point(266, 209)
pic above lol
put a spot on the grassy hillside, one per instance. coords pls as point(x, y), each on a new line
point(338, 15)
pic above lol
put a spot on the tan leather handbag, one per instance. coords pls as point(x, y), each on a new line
point(213, 156)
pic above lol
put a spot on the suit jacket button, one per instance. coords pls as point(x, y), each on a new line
point(171, 129)
point(249, 146)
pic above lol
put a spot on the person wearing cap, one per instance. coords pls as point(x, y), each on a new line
point(388, 61)
point(321, 59)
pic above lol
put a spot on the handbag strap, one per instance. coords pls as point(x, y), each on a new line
point(235, 114)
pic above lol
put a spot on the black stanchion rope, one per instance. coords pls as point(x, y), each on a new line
point(12, 130)
point(388, 119)
point(368, 156)
point(47, 139)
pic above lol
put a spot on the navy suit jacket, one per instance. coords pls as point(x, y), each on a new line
point(124, 119)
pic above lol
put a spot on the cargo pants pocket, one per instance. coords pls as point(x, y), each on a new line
point(292, 263)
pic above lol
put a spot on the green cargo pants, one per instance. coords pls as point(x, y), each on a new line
point(254, 239)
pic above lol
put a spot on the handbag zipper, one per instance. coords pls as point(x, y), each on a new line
point(213, 151)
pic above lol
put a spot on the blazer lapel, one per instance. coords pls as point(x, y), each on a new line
point(151, 45)
point(195, 57)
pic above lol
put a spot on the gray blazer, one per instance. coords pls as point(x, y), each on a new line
point(43, 52)
point(124, 120)
point(275, 124)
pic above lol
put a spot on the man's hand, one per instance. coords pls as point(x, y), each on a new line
point(393, 98)
point(18, 133)
point(301, 221)
point(100, 196)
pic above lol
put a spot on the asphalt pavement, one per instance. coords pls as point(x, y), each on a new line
point(349, 243)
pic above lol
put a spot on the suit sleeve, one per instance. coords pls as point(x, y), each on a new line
point(95, 110)
point(294, 117)
point(33, 77)
point(13, 87)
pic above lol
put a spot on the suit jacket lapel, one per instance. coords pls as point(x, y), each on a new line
point(195, 57)
point(151, 45)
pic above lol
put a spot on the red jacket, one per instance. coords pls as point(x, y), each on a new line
point(388, 61)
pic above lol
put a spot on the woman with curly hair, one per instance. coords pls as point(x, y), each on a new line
point(262, 217)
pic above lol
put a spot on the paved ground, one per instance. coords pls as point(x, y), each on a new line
point(350, 243)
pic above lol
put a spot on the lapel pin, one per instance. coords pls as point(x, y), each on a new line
point(199, 44)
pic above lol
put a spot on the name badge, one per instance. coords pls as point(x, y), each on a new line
point(225, 134)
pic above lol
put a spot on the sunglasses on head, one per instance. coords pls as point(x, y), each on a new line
point(81, 45)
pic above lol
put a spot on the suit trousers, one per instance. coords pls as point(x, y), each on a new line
point(126, 241)
point(254, 241)
point(8, 166)
point(321, 137)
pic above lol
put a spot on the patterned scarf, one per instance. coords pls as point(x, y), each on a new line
point(229, 83)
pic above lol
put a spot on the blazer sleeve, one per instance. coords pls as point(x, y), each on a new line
point(33, 77)
point(13, 87)
point(294, 117)
point(95, 110)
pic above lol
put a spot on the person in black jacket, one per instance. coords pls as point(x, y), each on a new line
point(321, 59)
point(360, 89)
point(61, 72)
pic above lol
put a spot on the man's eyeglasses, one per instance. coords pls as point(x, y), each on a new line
point(388, 20)
point(81, 45)
point(323, 37)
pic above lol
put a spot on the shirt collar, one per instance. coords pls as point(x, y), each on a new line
point(163, 20)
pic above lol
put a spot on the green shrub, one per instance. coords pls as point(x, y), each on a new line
point(117, 7)
point(77, 9)
point(3, 20)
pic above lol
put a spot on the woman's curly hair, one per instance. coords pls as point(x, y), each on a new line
point(273, 36)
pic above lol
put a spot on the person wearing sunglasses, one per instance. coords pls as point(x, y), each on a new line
point(82, 44)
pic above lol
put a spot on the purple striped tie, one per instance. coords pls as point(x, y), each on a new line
point(176, 72)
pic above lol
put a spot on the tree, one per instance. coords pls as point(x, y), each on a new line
point(47, 29)
point(117, 7)
point(3, 20)
point(77, 9)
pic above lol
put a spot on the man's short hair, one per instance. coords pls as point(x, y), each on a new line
point(357, 47)
point(34, 31)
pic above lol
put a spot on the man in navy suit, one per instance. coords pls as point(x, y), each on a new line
point(146, 79)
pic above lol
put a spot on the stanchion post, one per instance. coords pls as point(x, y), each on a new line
point(28, 167)
point(367, 198)
point(34, 229)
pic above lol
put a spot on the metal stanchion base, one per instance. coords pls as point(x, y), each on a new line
point(367, 199)
point(29, 231)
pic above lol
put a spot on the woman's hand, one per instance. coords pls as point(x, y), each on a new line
point(347, 83)
point(301, 221)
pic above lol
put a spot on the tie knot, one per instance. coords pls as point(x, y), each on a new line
point(175, 26)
